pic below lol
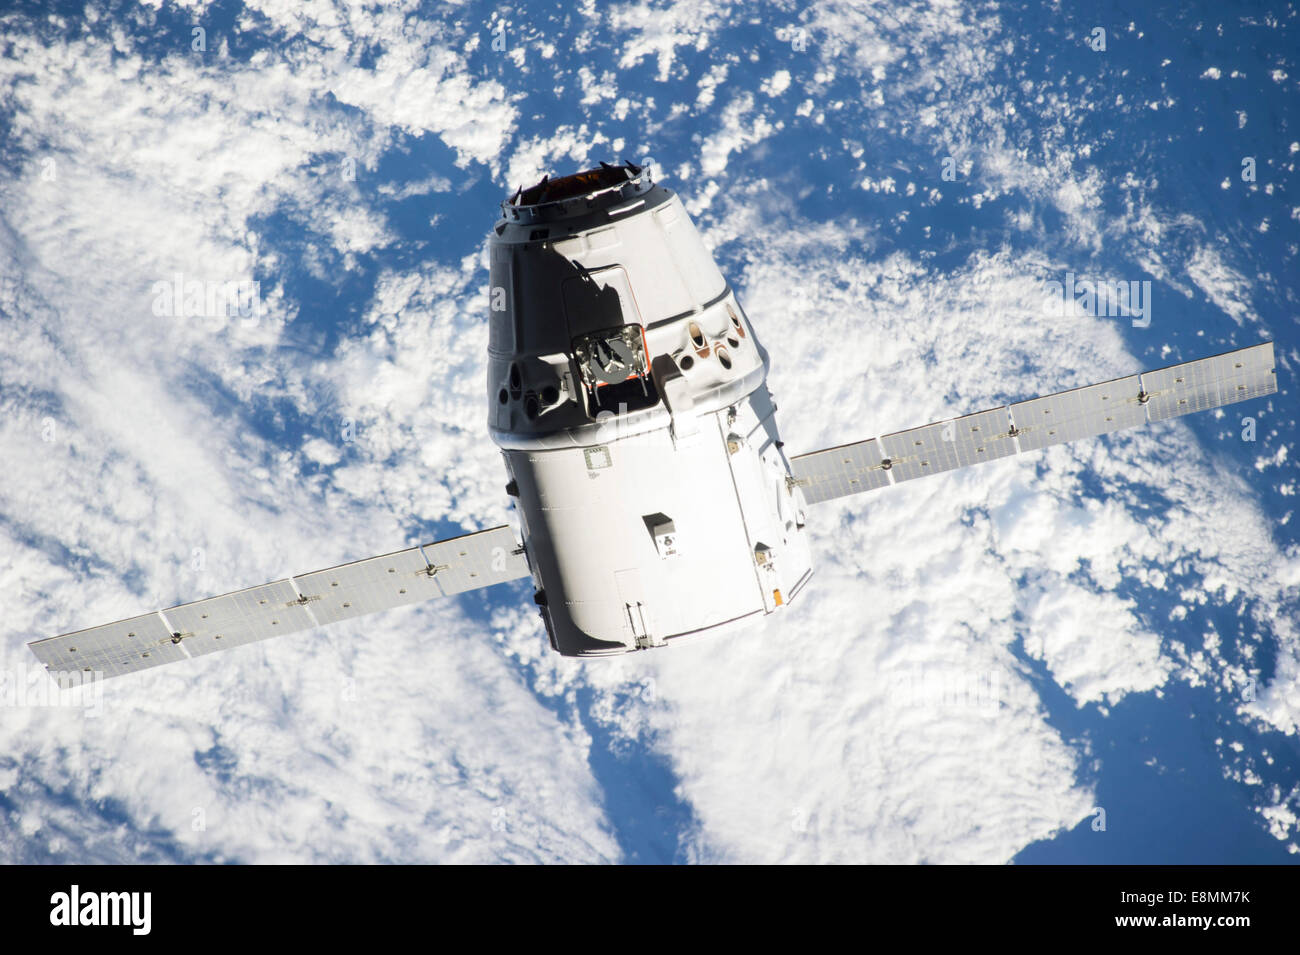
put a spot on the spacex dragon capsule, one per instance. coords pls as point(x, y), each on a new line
point(627, 392)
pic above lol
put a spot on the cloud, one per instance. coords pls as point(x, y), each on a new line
point(1223, 285)
point(146, 476)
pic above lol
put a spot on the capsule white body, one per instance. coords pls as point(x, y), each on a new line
point(627, 393)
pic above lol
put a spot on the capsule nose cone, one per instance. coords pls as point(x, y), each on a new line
point(587, 184)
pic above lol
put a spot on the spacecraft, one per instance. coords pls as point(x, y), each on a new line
point(626, 389)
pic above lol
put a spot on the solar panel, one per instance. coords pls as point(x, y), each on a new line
point(244, 616)
point(947, 445)
point(1078, 413)
point(476, 560)
point(368, 586)
point(325, 596)
point(1210, 382)
point(1039, 422)
point(136, 643)
point(394, 580)
point(837, 472)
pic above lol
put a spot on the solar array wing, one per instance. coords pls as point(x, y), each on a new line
point(136, 643)
point(948, 445)
point(1078, 413)
point(491, 558)
point(368, 586)
point(1210, 383)
point(1037, 423)
point(409, 576)
point(839, 472)
point(231, 620)
point(285, 606)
